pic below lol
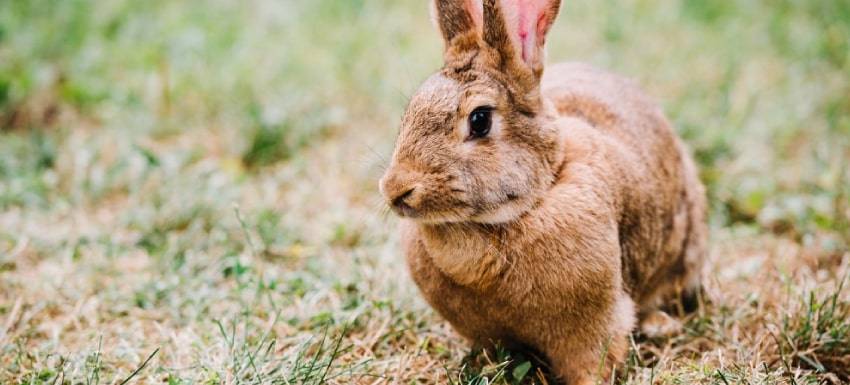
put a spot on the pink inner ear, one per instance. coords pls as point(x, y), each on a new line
point(476, 10)
point(528, 19)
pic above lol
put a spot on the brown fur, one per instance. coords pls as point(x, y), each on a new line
point(579, 212)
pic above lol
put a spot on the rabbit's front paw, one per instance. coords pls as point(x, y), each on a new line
point(659, 324)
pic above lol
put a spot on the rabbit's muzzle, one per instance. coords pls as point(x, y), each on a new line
point(401, 191)
point(426, 197)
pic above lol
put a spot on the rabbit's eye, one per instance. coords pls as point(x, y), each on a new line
point(480, 122)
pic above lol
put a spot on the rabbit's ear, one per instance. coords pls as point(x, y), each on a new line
point(518, 28)
point(457, 17)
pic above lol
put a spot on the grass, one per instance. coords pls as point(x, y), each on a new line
point(188, 190)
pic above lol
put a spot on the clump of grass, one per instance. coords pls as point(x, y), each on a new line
point(501, 366)
point(816, 334)
point(269, 142)
point(275, 141)
point(23, 169)
point(316, 360)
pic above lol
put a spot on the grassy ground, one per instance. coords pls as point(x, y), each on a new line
point(188, 189)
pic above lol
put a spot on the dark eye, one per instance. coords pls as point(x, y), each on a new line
point(480, 122)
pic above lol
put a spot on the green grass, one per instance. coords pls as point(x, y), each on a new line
point(193, 185)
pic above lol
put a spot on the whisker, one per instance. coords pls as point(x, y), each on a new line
point(383, 161)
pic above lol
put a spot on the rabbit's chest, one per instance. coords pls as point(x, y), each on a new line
point(481, 314)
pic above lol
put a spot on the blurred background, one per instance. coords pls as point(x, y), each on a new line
point(188, 188)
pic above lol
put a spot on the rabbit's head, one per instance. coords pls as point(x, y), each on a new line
point(477, 142)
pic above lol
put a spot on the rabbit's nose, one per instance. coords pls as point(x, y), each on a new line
point(400, 204)
point(399, 189)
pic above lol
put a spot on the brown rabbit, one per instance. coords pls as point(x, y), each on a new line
point(541, 211)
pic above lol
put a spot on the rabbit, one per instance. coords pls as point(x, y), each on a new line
point(541, 210)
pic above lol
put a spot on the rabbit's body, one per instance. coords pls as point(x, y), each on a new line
point(623, 225)
point(662, 222)
point(551, 226)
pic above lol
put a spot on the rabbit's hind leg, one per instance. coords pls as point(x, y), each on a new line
point(682, 295)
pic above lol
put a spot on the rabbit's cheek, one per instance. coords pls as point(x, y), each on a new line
point(505, 212)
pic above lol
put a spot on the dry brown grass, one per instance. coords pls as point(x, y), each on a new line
point(205, 192)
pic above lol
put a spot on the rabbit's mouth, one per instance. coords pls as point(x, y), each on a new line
point(434, 216)
point(508, 210)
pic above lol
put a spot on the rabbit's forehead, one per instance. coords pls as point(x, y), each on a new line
point(438, 94)
point(442, 98)
point(433, 106)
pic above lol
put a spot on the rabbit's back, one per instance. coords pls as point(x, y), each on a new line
point(662, 222)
